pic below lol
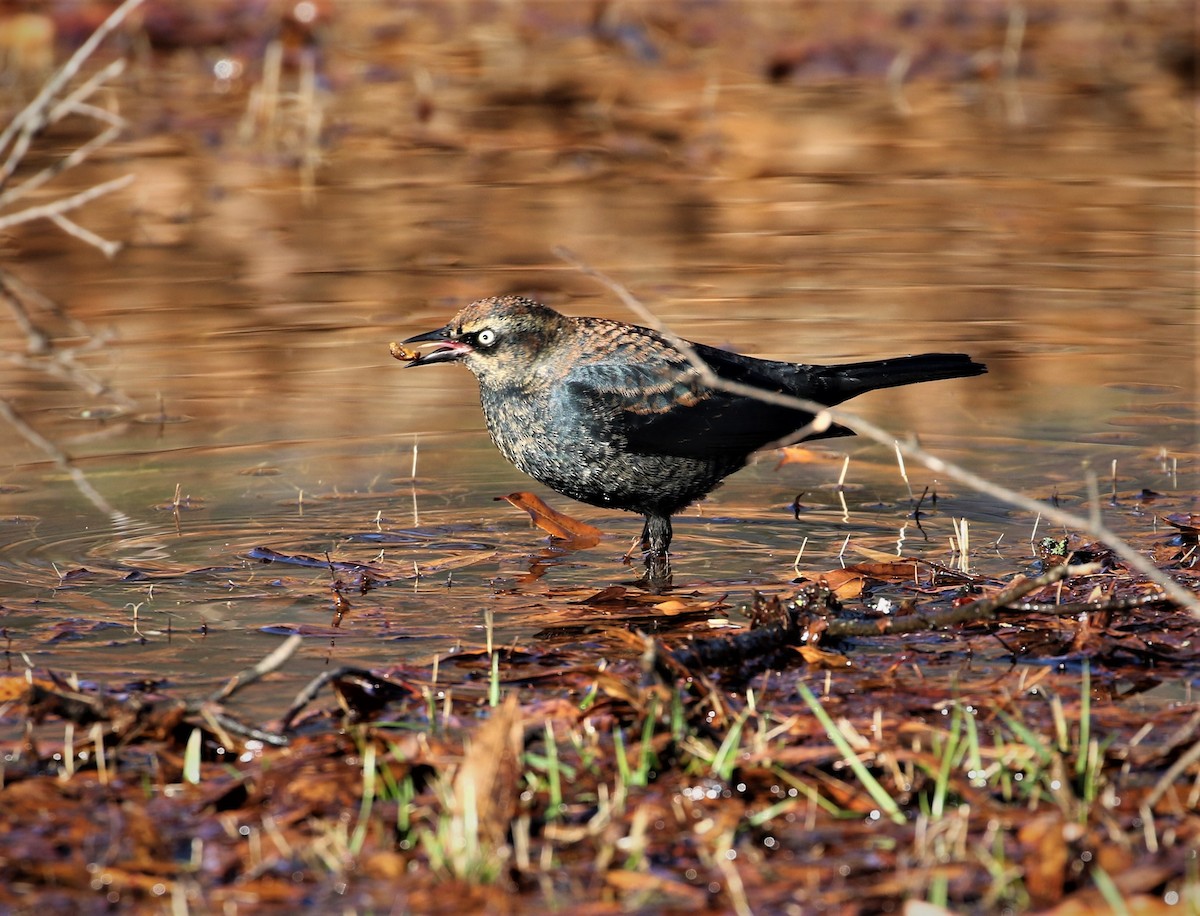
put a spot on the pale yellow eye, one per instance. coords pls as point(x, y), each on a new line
point(486, 337)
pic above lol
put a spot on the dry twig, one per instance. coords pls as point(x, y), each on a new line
point(793, 628)
point(60, 458)
point(272, 662)
point(50, 105)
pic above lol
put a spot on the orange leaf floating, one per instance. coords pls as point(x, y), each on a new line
point(849, 581)
point(553, 522)
point(894, 571)
point(821, 658)
point(798, 454)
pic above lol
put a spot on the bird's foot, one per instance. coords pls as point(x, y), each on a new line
point(656, 539)
point(656, 578)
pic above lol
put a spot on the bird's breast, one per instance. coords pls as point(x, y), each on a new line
point(519, 421)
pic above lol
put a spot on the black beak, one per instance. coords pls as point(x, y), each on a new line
point(451, 350)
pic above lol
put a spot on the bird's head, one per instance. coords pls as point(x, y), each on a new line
point(494, 338)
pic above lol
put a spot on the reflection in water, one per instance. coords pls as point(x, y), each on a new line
point(788, 219)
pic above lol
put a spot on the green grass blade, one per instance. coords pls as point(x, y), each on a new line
point(886, 803)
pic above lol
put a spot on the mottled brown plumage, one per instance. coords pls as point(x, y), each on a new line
point(615, 415)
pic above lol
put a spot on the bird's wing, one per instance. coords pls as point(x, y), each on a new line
point(660, 407)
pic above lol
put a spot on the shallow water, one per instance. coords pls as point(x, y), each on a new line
point(248, 366)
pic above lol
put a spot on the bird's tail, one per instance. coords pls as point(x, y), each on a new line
point(850, 379)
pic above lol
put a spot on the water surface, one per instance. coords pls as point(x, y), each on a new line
point(245, 330)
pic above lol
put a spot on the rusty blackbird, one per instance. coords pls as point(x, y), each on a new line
point(615, 415)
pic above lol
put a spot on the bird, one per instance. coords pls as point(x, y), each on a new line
point(620, 416)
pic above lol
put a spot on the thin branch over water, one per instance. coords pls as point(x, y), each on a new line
point(48, 107)
point(906, 447)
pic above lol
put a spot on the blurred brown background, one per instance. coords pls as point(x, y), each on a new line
point(823, 181)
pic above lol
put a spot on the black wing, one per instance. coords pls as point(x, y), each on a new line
point(660, 407)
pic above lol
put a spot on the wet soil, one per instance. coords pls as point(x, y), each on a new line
point(216, 450)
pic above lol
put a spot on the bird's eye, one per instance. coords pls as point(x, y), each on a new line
point(486, 337)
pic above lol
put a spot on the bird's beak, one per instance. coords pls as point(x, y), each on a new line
point(451, 349)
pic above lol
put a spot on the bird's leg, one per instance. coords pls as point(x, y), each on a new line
point(656, 535)
point(656, 538)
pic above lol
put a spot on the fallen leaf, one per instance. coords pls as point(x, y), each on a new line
point(844, 583)
point(640, 883)
point(878, 556)
point(901, 570)
point(820, 658)
point(486, 785)
point(555, 523)
point(1187, 524)
point(458, 561)
point(386, 866)
point(1090, 902)
point(798, 454)
point(1046, 858)
point(613, 594)
point(13, 687)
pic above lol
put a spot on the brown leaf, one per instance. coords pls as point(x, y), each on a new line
point(892, 570)
point(384, 865)
point(13, 687)
point(458, 561)
point(486, 786)
point(1090, 902)
point(820, 658)
point(798, 454)
point(555, 523)
point(1046, 857)
point(1188, 526)
point(844, 583)
point(876, 556)
point(663, 889)
point(613, 594)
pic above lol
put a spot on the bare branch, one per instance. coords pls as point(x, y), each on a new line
point(74, 103)
point(47, 108)
point(14, 285)
point(792, 627)
point(272, 662)
point(707, 376)
point(36, 340)
point(983, 609)
point(60, 458)
point(77, 156)
point(58, 207)
point(1172, 589)
point(85, 235)
point(31, 117)
point(59, 366)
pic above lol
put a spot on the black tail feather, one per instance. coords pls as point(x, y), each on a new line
point(852, 379)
